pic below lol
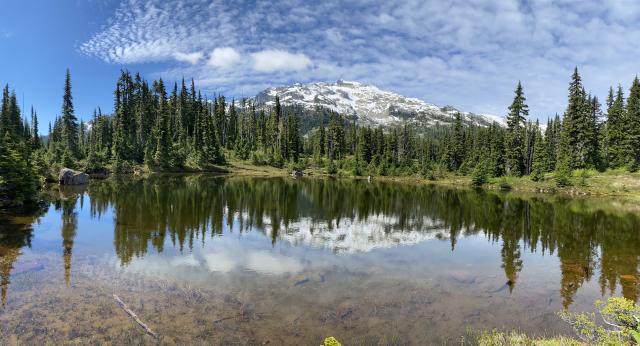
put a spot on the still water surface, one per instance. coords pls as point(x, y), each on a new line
point(211, 260)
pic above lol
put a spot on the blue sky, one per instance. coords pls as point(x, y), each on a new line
point(465, 53)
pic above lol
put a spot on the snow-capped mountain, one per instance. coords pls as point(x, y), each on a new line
point(369, 105)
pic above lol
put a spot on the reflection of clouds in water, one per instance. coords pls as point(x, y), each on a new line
point(274, 264)
point(188, 260)
point(160, 264)
point(220, 262)
point(226, 256)
point(263, 262)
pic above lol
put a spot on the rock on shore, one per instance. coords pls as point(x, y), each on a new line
point(68, 176)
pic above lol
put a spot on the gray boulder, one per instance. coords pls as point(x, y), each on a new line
point(68, 176)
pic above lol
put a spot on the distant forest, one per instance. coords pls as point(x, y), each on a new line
point(159, 128)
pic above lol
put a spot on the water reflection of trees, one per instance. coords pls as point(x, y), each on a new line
point(13, 236)
point(65, 204)
point(16, 232)
point(188, 209)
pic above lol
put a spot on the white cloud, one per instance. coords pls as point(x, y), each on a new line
point(271, 60)
point(225, 58)
point(468, 53)
point(191, 58)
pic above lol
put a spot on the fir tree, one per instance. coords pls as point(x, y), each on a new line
point(293, 137)
point(540, 152)
point(36, 143)
point(515, 148)
point(161, 155)
point(497, 152)
point(457, 143)
point(18, 183)
point(617, 150)
point(633, 123)
point(69, 130)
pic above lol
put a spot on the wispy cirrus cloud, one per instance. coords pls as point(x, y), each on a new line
point(467, 53)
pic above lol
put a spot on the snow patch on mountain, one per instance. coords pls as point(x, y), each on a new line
point(370, 105)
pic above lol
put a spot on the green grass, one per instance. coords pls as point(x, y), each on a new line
point(619, 183)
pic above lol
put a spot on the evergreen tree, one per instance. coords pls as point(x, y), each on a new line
point(19, 180)
point(162, 154)
point(617, 150)
point(363, 147)
point(36, 143)
point(515, 148)
point(335, 138)
point(496, 165)
point(633, 123)
point(320, 142)
point(457, 143)
point(540, 152)
point(593, 155)
point(18, 183)
point(578, 128)
point(232, 127)
point(69, 122)
point(293, 137)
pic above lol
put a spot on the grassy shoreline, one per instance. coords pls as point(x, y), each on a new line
point(617, 189)
point(616, 183)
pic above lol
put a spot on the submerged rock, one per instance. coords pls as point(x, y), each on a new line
point(68, 176)
point(306, 278)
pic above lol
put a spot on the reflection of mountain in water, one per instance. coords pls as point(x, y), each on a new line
point(355, 235)
point(348, 216)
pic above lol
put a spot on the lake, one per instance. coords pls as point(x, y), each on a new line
point(235, 260)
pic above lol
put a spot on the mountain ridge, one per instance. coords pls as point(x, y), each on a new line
point(369, 105)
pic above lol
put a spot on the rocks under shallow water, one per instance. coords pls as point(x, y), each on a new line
point(68, 176)
point(306, 278)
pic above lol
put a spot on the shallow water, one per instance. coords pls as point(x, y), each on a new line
point(211, 260)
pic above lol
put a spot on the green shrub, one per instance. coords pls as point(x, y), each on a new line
point(494, 337)
point(621, 327)
point(331, 341)
point(276, 160)
point(331, 168)
point(583, 174)
point(504, 184)
point(622, 323)
point(563, 178)
point(537, 175)
point(356, 170)
point(383, 169)
point(479, 175)
point(258, 158)
point(296, 166)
